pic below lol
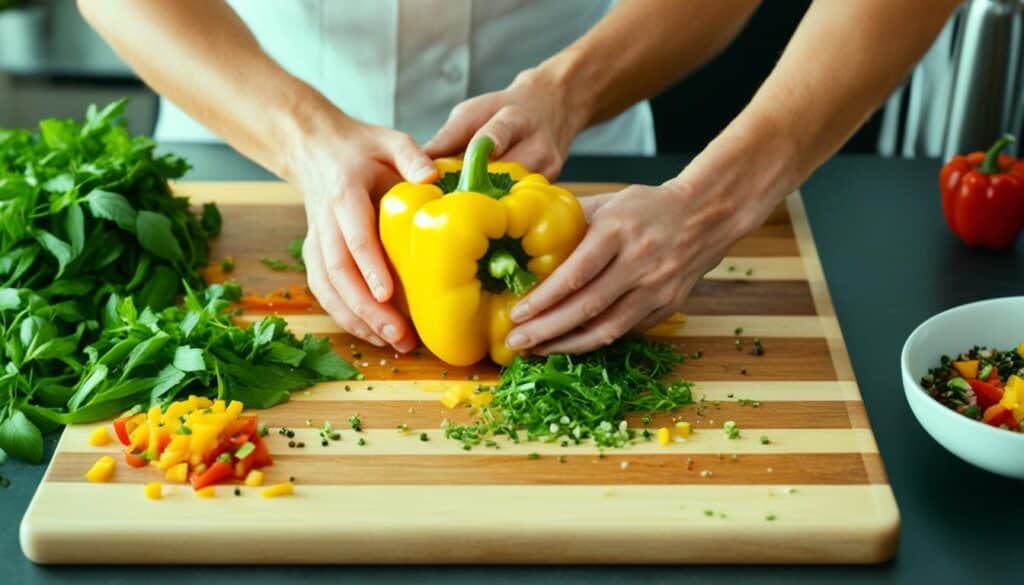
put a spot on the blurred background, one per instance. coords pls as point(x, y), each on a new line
point(966, 91)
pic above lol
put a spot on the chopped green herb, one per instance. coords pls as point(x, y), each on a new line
point(245, 450)
point(361, 442)
point(765, 440)
point(355, 422)
point(738, 331)
point(227, 265)
point(731, 430)
point(424, 437)
point(533, 456)
point(770, 518)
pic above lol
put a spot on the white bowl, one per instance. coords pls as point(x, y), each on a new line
point(995, 323)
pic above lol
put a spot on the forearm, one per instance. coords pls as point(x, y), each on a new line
point(831, 77)
point(201, 56)
point(638, 49)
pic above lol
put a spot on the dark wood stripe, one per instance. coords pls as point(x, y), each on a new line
point(428, 414)
point(478, 468)
point(785, 358)
point(750, 297)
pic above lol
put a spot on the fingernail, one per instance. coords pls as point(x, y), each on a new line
point(376, 288)
point(390, 333)
point(377, 341)
point(423, 173)
point(519, 312)
point(515, 340)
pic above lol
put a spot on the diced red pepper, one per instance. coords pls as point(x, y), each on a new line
point(218, 472)
point(994, 379)
point(997, 415)
point(987, 393)
point(134, 459)
point(121, 430)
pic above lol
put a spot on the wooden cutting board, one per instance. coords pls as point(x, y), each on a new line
point(817, 493)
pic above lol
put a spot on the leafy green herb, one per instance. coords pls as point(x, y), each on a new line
point(355, 422)
point(579, 398)
point(275, 264)
point(731, 430)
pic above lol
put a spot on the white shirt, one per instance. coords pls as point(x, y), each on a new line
point(406, 63)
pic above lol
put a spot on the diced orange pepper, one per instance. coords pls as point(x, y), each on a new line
point(967, 368)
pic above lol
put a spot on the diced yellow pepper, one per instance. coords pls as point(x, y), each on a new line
point(203, 437)
point(169, 459)
point(254, 479)
point(102, 470)
point(968, 368)
point(174, 412)
point(139, 436)
point(451, 398)
point(154, 490)
point(277, 490)
point(664, 436)
point(479, 399)
point(202, 402)
point(683, 429)
point(178, 473)
point(1013, 396)
point(99, 437)
point(234, 408)
point(154, 416)
point(1020, 349)
point(207, 492)
point(218, 406)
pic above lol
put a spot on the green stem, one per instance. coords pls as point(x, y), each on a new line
point(474, 177)
point(502, 264)
point(990, 166)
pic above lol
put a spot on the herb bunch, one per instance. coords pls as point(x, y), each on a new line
point(578, 398)
point(86, 207)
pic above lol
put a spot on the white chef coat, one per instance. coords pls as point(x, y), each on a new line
point(406, 63)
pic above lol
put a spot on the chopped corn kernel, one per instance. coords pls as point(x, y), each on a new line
point(99, 437)
point(280, 489)
point(254, 479)
point(101, 471)
point(154, 490)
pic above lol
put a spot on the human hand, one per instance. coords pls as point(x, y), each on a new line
point(530, 123)
point(645, 249)
point(337, 169)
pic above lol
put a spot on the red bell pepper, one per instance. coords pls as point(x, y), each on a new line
point(983, 196)
point(121, 430)
point(987, 393)
point(997, 415)
point(134, 459)
point(218, 472)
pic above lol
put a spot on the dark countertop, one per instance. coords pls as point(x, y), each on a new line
point(890, 263)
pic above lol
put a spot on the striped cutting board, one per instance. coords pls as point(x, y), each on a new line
point(816, 493)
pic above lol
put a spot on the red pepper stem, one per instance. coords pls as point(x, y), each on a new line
point(990, 166)
point(474, 177)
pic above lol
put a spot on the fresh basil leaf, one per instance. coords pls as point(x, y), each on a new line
point(10, 299)
point(167, 379)
point(112, 206)
point(189, 322)
point(160, 289)
point(189, 359)
point(144, 352)
point(20, 438)
point(155, 235)
point(96, 377)
point(60, 183)
point(74, 228)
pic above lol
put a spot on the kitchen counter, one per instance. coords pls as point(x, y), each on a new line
point(890, 263)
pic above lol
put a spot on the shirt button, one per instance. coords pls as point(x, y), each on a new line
point(452, 73)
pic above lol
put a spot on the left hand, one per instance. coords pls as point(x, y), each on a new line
point(528, 122)
point(645, 249)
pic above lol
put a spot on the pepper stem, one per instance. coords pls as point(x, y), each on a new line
point(474, 177)
point(990, 166)
point(502, 264)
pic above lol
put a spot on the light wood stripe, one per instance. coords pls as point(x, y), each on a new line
point(762, 326)
point(388, 441)
point(564, 524)
point(760, 269)
point(481, 468)
point(416, 390)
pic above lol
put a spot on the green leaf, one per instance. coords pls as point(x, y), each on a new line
point(161, 288)
point(155, 235)
point(114, 207)
point(166, 380)
point(211, 220)
point(10, 299)
point(60, 183)
point(85, 388)
point(20, 438)
point(189, 359)
point(144, 352)
point(331, 366)
point(295, 248)
point(74, 228)
point(285, 354)
point(57, 247)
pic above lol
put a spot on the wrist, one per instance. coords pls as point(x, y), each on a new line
point(561, 80)
point(299, 125)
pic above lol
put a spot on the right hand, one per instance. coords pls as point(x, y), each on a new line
point(337, 169)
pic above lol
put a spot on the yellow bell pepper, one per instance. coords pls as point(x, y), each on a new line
point(464, 258)
point(154, 490)
point(1013, 397)
point(102, 470)
point(99, 437)
point(967, 368)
